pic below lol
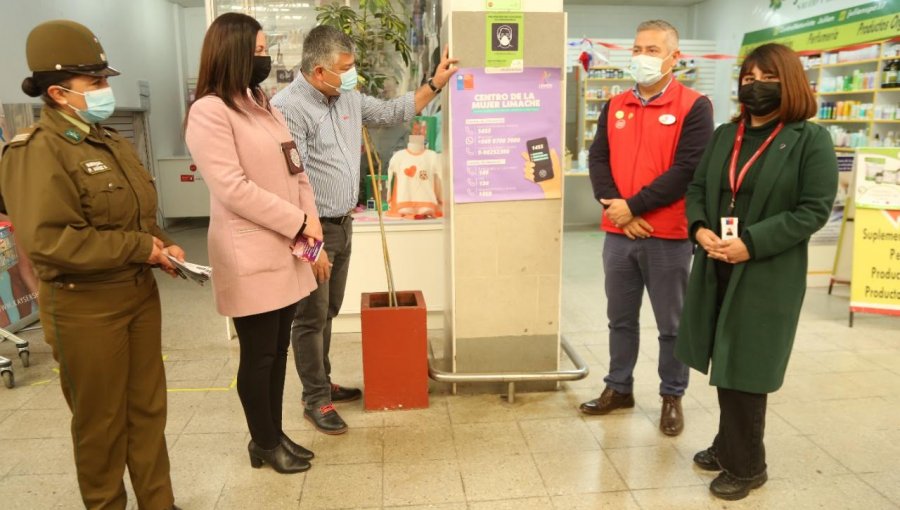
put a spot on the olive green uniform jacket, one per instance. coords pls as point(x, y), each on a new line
point(83, 206)
point(749, 341)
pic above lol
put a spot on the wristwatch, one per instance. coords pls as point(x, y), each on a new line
point(432, 86)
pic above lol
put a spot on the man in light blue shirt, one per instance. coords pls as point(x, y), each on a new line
point(325, 114)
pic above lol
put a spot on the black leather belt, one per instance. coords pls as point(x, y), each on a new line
point(337, 221)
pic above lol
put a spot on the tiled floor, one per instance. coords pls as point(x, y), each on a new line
point(833, 437)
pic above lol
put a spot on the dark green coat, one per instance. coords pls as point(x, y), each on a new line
point(750, 341)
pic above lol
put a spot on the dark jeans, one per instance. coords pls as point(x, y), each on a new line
point(311, 330)
point(662, 266)
point(742, 424)
point(264, 340)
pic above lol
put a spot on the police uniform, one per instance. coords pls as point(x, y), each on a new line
point(84, 209)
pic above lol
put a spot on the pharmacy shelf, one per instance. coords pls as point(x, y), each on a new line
point(848, 64)
point(847, 92)
point(885, 121)
point(839, 121)
point(844, 149)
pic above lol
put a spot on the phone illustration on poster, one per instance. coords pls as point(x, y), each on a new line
point(507, 131)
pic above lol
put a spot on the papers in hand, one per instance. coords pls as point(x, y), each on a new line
point(190, 271)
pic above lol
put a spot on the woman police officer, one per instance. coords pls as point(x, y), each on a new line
point(84, 209)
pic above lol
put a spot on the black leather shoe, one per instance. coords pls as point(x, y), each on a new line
point(342, 394)
point(732, 488)
point(707, 459)
point(325, 419)
point(671, 418)
point(608, 401)
point(295, 449)
point(279, 458)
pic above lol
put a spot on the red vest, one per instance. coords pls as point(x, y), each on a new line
point(642, 143)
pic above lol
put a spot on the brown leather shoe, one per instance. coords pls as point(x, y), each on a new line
point(671, 419)
point(608, 401)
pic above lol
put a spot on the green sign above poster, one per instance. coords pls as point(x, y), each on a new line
point(504, 41)
point(875, 21)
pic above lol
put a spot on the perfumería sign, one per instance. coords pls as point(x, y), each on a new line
point(874, 21)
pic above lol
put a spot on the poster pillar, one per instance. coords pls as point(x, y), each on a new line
point(503, 131)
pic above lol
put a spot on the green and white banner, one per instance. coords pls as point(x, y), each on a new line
point(874, 21)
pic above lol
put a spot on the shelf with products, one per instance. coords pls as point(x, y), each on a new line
point(849, 63)
point(847, 92)
point(855, 94)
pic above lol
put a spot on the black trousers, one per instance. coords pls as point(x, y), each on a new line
point(742, 416)
point(742, 424)
point(264, 340)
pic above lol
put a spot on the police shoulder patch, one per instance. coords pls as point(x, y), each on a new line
point(23, 136)
point(94, 166)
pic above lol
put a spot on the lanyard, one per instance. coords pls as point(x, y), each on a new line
point(738, 141)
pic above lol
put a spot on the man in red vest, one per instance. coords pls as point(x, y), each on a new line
point(649, 141)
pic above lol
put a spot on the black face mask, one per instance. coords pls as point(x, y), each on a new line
point(262, 66)
point(760, 97)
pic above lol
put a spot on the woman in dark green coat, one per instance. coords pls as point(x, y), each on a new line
point(765, 184)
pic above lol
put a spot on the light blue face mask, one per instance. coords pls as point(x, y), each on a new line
point(101, 103)
point(349, 78)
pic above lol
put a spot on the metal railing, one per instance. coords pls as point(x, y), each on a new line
point(580, 371)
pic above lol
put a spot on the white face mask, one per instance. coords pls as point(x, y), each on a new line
point(647, 70)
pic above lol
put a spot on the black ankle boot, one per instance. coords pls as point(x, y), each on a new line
point(707, 459)
point(279, 458)
point(295, 449)
point(727, 486)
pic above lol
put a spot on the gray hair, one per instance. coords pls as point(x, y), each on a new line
point(662, 26)
point(322, 46)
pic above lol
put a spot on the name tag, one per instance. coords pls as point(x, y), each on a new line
point(729, 228)
point(94, 167)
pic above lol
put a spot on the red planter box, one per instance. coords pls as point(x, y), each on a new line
point(395, 351)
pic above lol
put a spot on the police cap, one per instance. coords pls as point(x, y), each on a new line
point(63, 45)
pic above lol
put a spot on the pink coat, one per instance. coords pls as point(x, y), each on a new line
point(256, 207)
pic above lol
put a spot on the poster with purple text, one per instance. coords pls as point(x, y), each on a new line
point(507, 132)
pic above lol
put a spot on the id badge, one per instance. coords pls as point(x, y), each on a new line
point(729, 228)
point(292, 157)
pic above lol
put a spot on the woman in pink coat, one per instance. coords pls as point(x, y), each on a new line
point(261, 205)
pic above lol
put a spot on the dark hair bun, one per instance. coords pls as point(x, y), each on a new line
point(30, 87)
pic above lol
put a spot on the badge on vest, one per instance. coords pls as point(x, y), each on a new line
point(620, 124)
point(94, 167)
point(620, 114)
point(667, 119)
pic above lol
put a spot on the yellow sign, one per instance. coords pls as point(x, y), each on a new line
point(875, 284)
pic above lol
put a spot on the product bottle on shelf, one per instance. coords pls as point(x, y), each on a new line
point(889, 140)
point(876, 142)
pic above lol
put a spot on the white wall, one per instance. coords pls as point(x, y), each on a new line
point(139, 37)
point(194, 26)
point(726, 21)
point(620, 21)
